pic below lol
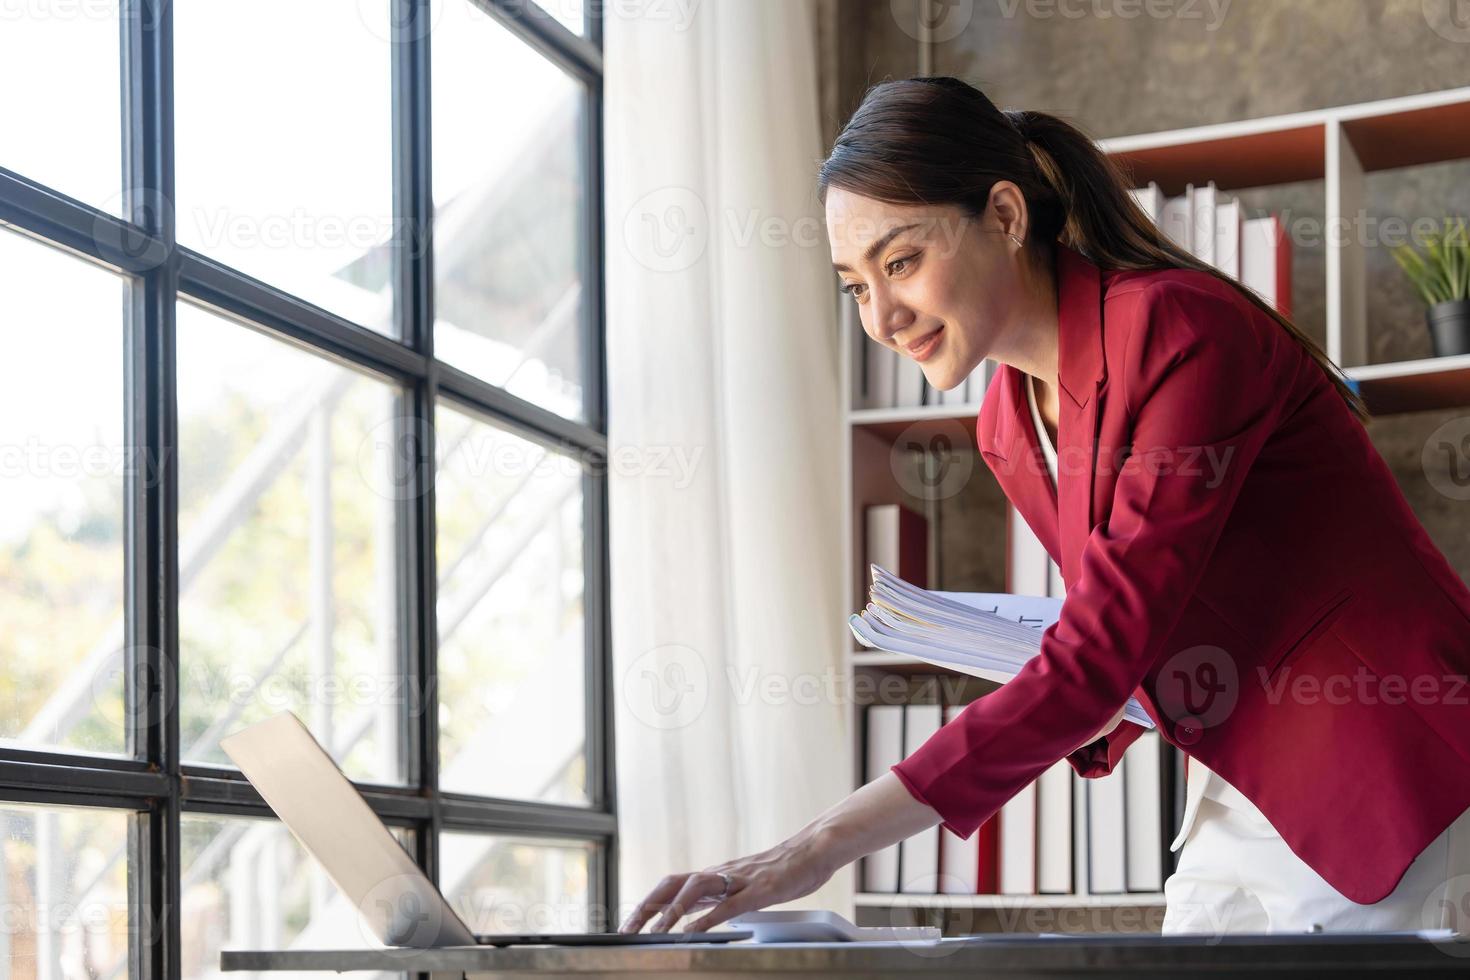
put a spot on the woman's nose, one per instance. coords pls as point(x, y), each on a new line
point(889, 316)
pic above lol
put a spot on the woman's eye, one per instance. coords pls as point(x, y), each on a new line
point(903, 261)
point(852, 288)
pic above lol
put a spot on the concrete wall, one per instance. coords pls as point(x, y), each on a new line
point(1178, 63)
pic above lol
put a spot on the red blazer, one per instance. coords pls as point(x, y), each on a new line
point(1238, 557)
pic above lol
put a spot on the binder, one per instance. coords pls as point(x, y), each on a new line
point(1150, 200)
point(1175, 220)
point(1227, 237)
point(897, 537)
point(1265, 260)
point(911, 385)
point(881, 370)
point(1202, 220)
point(1081, 852)
point(1054, 829)
point(1143, 780)
point(1107, 832)
point(1018, 843)
point(969, 867)
point(883, 735)
point(918, 856)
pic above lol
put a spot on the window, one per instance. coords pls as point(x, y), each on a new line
point(67, 905)
point(248, 884)
point(61, 529)
point(508, 884)
point(285, 468)
point(510, 211)
point(570, 13)
point(64, 57)
point(270, 446)
point(511, 628)
point(284, 147)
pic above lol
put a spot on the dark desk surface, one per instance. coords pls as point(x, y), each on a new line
point(1013, 955)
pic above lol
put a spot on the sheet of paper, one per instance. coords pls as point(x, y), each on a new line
point(988, 635)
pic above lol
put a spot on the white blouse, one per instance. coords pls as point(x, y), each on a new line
point(1216, 788)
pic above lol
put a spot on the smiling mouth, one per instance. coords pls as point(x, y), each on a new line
point(926, 346)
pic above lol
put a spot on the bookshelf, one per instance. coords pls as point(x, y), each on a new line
point(886, 900)
point(1339, 146)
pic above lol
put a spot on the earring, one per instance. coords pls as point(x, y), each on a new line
point(1016, 240)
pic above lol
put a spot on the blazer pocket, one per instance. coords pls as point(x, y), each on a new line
point(1319, 620)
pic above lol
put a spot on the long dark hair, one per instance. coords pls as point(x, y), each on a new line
point(940, 141)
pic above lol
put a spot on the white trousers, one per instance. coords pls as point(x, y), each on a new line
point(1236, 874)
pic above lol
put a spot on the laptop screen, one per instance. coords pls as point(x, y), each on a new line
point(326, 813)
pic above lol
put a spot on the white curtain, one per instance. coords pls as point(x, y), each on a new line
point(727, 621)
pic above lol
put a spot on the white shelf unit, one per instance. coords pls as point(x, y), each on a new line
point(1129, 900)
point(904, 416)
point(1337, 145)
point(894, 661)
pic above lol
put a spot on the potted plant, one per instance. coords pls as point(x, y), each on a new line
point(1442, 276)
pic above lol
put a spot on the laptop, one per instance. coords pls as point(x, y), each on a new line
point(402, 907)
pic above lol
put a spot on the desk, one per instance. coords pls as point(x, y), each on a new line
point(1259, 955)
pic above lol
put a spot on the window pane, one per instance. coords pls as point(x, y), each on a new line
point(60, 118)
point(64, 890)
point(508, 210)
point(512, 884)
point(248, 884)
point(282, 114)
point(61, 529)
point(570, 13)
point(287, 574)
point(511, 641)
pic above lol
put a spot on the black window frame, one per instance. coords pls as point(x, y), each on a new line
point(152, 782)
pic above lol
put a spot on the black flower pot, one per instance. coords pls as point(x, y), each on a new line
point(1449, 327)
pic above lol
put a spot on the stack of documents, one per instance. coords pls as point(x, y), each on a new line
point(984, 634)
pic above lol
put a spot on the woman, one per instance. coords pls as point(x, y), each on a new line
point(1236, 553)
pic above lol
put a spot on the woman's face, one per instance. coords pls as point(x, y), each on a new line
point(929, 282)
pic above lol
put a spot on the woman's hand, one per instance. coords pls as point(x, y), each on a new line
point(874, 816)
point(791, 869)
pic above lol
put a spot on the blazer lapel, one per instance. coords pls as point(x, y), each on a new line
point(1022, 471)
point(1081, 374)
point(1062, 516)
